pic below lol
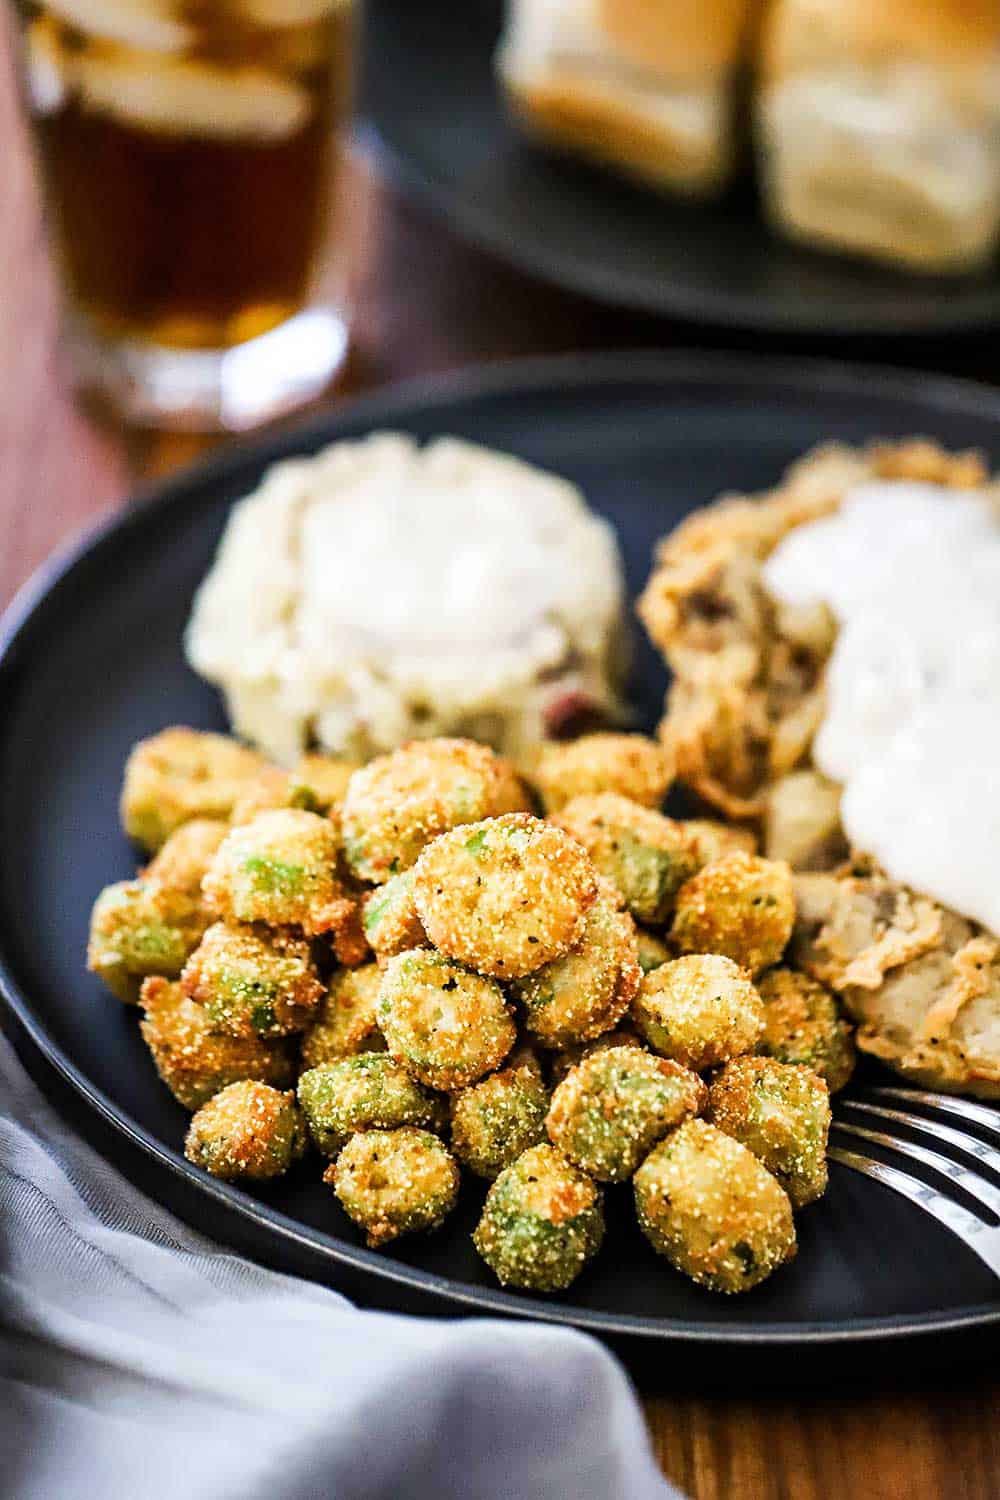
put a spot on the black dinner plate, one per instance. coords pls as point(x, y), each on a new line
point(91, 661)
point(431, 96)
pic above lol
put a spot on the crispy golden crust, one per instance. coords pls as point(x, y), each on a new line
point(249, 1130)
point(741, 906)
point(630, 764)
point(346, 1022)
point(780, 1112)
point(180, 774)
point(195, 1061)
point(253, 981)
point(747, 695)
point(700, 1010)
point(706, 1203)
point(394, 1182)
point(504, 896)
point(922, 984)
point(399, 803)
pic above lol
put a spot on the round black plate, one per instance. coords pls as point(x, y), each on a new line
point(431, 96)
point(92, 661)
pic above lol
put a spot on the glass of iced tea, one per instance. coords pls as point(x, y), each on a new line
point(189, 153)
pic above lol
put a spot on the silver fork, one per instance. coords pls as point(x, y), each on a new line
point(979, 1230)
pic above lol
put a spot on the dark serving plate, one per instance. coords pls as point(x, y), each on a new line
point(430, 94)
point(91, 661)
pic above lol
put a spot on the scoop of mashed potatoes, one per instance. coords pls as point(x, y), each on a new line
point(381, 591)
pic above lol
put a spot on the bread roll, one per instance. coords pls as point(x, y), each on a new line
point(647, 86)
point(879, 127)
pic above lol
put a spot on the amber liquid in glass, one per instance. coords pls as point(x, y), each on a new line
point(188, 154)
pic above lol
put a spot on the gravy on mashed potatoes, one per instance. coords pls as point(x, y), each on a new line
point(382, 591)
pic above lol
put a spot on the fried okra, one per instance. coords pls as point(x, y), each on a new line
point(390, 917)
point(324, 779)
point(741, 906)
point(543, 1220)
point(182, 774)
point(612, 1108)
point(345, 1023)
point(706, 1203)
point(280, 869)
point(139, 928)
point(495, 1120)
point(504, 896)
point(630, 764)
point(646, 856)
point(700, 1010)
point(652, 951)
point(398, 803)
point(714, 840)
point(780, 1112)
point(252, 981)
point(393, 1182)
point(445, 1024)
point(249, 1130)
point(367, 1092)
point(196, 1062)
point(588, 990)
point(183, 861)
point(560, 1063)
point(802, 1025)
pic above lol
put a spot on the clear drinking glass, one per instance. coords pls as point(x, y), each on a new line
point(189, 156)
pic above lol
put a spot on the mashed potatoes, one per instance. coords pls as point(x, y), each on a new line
point(382, 591)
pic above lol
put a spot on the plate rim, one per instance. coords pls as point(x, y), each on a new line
point(26, 612)
point(980, 313)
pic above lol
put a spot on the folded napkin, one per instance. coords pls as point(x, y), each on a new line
point(138, 1361)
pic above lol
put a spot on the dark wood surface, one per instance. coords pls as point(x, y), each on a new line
point(426, 303)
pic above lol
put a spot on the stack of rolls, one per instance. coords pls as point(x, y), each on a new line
point(877, 122)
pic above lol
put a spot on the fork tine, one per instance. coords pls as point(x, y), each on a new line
point(976, 1114)
point(984, 1192)
point(970, 1144)
point(971, 1230)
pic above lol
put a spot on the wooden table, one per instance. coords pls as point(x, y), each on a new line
point(427, 303)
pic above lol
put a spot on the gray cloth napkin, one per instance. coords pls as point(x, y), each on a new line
point(140, 1362)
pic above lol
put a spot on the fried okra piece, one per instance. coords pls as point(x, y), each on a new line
point(183, 861)
point(700, 1010)
point(803, 1025)
point(706, 1203)
point(780, 1112)
point(182, 774)
point(390, 917)
point(610, 1110)
point(504, 896)
point(398, 803)
point(588, 990)
point(652, 950)
point(273, 789)
point(646, 856)
point(741, 906)
point(139, 928)
point(252, 981)
point(367, 1092)
point(543, 1220)
point(713, 840)
point(393, 1182)
point(249, 1130)
point(280, 869)
point(196, 1062)
point(561, 1063)
point(346, 1023)
point(324, 778)
point(445, 1024)
point(629, 764)
point(494, 1121)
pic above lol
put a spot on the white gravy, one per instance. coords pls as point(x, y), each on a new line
point(912, 722)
